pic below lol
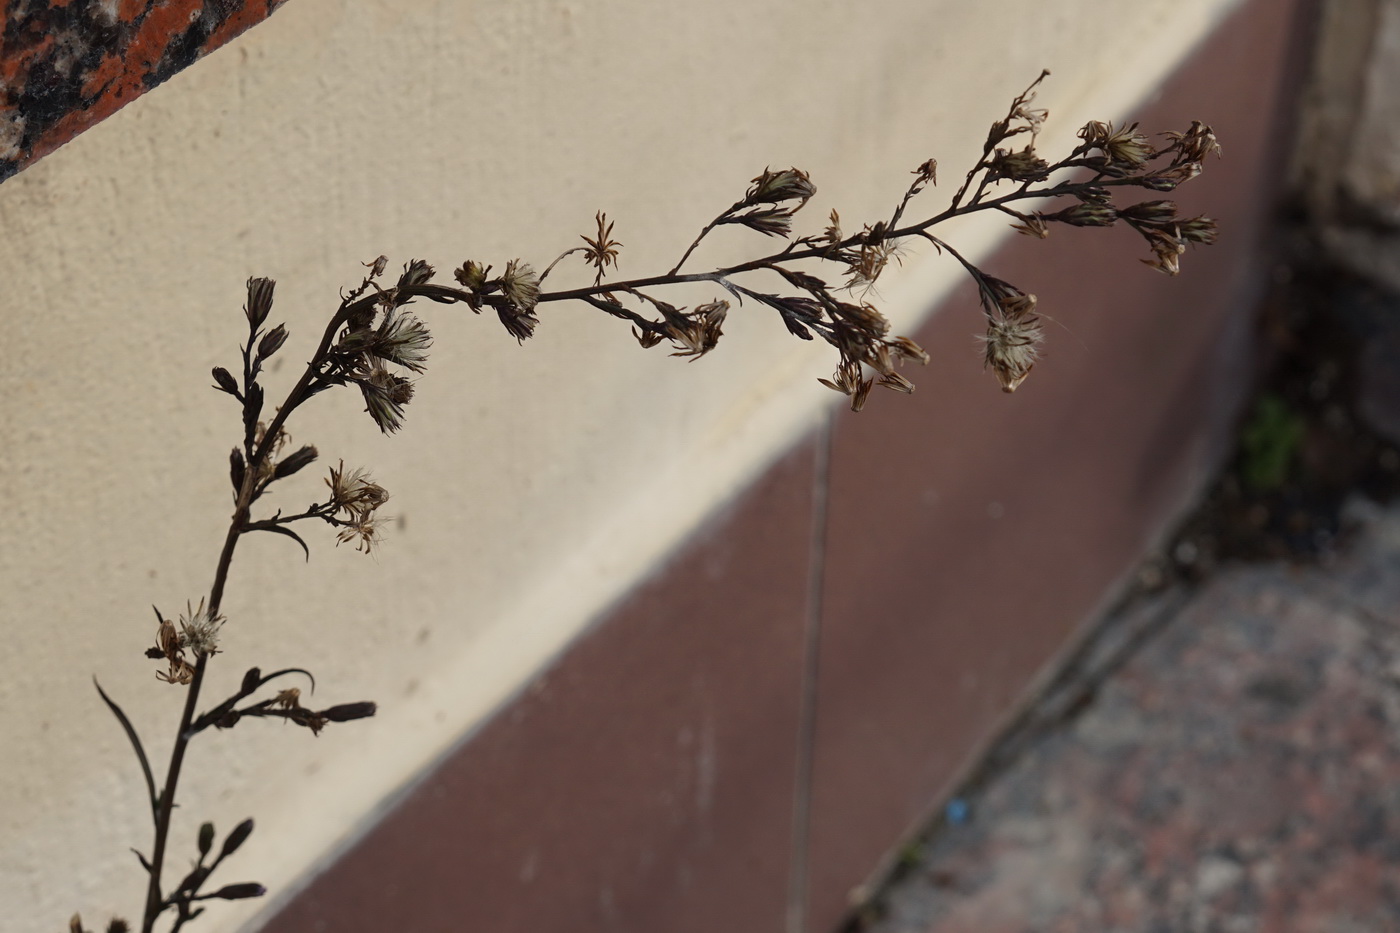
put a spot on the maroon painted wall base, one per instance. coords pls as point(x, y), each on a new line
point(744, 739)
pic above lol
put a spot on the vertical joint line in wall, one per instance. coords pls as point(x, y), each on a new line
point(798, 881)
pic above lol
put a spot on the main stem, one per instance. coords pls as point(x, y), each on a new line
point(237, 525)
point(154, 899)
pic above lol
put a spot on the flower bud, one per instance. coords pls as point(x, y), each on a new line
point(416, 272)
point(236, 469)
point(294, 462)
point(259, 301)
point(234, 892)
point(1150, 212)
point(347, 712)
point(1087, 214)
point(223, 380)
point(790, 184)
point(272, 341)
point(1198, 230)
point(472, 275)
point(240, 835)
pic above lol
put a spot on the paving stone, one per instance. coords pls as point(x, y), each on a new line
point(1240, 772)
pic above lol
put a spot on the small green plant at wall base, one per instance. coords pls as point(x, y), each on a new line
point(1269, 443)
point(373, 344)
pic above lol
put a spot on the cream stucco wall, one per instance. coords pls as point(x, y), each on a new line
point(533, 484)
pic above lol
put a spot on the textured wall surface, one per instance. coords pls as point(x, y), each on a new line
point(533, 485)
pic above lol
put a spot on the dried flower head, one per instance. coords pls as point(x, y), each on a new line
point(832, 236)
point(848, 381)
point(519, 324)
point(1032, 225)
point(1201, 230)
point(354, 493)
point(1127, 149)
point(1168, 178)
point(1021, 112)
point(385, 396)
point(1019, 165)
point(1195, 144)
point(1166, 249)
point(168, 647)
point(521, 285)
point(602, 251)
point(698, 332)
point(1012, 345)
point(791, 184)
point(415, 272)
point(876, 250)
point(1149, 212)
point(1012, 342)
point(366, 533)
point(1086, 214)
point(199, 631)
point(770, 221)
point(401, 338)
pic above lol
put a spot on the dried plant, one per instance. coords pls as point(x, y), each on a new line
point(373, 344)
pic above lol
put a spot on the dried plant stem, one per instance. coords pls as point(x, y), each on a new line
point(369, 333)
point(155, 904)
point(154, 899)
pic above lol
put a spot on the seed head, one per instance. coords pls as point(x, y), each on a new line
point(1012, 342)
